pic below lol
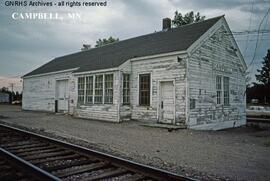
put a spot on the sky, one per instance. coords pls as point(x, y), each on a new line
point(28, 44)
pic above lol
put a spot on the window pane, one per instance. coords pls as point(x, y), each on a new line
point(226, 88)
point(81, 81)
point(144, 90)
point(98, 89)
point(89, 89)
point(126, 89)
point(218, 97)
point(108, 89)
point(218, 82)
point(192, 103)
point(218, 87)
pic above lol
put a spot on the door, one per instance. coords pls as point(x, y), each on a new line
point(166, 102)
point(62, 95)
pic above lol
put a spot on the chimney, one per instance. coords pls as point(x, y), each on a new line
point(166, 24)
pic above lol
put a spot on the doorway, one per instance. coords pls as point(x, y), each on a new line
point(62, 95)
point(167, 102)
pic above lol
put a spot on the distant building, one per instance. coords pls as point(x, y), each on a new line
point(4, 97)
point(192, 75)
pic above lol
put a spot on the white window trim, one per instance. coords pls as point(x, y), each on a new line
point(122, 94)
point(94, 87)
point(228, 91)
point(103, 89)
point(102, 101)
point(78, 89)
point(104, 75)
point(138, 88)
point(84, 92)
point(222, 90)
point(94, 82)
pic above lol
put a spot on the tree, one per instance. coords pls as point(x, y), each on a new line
point(180, 20)
point(86, 47)
point(105, 41)
point(4, 89)
point(264, 73)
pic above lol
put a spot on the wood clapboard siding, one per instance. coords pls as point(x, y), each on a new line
point(98, 112)
point(217, 50)
point(39, 92)
point(163, 68)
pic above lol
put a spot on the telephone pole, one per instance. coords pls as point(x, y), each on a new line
point(11, 85)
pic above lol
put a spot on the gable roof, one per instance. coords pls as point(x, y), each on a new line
point(115, 54)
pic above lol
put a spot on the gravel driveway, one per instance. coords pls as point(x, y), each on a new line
point(234, 154)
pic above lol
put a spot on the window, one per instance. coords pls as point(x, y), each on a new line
point(81, 81)
point(218, 87)
point(144, 90)
point(89, 89)
point(223, 90)
point(108, 89)
point(226, 91)
point(192, 103)
point(98, 89)
point(126, 89)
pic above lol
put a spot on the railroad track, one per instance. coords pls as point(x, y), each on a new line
point(29, 156)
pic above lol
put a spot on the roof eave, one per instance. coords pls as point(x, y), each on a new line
point(49, 73)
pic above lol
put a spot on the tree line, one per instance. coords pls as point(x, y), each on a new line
point(261, 90)
point(13, 95)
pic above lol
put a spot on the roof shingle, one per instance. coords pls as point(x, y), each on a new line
point(113, 55)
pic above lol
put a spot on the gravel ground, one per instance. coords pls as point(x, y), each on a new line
point(233, 154)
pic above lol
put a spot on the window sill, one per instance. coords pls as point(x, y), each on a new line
point(146, 107)
point(105, 104)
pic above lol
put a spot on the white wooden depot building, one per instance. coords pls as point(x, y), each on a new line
point(192, 75)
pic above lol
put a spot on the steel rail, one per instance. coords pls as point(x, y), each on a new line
point(143, 169)
point(26, 166)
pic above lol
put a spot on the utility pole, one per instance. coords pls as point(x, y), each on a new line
point(11, 85)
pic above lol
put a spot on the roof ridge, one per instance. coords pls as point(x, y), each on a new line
point(91, 49)
point(114, 54)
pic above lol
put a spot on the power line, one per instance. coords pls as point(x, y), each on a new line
point(263, 39)
point(249, 26)
point(257, 40)
point(251, 32)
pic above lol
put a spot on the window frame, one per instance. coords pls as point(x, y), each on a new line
point(91, 90)
point(192, 103)
point(150, 89)
point(110, 97)
point(100, 89)
point(126, 90)
point(226, 91)
point(222, 92)
point(219, 89)
point(83, 90)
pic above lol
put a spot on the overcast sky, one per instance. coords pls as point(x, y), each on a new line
point(27, 44)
